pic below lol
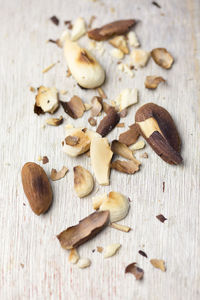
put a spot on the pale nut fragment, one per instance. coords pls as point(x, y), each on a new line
point(84, 68)
point(121, 149)
point(159, 264)
point(73, 256)
point(78, 30)
point(120, 227)
point(120, 43)
point(74, 108)
point(98, 200)
point(128, 167)
point(92, 121)
point(137, 146)
point(48, 68)
point(117, 53)
point(58, 175)
point(96, 106)
point(117, 204)
point(101, 155)
point(133, 40)
point(102, 93)
point(152, 82)
point(88, 106)
point(84, 263)
point(111, 250)
point(140, 57)
point(83, 181)
point(46, 100)
point(126, 98)
point(55, 121)
point(126, 69)
point(162, 57)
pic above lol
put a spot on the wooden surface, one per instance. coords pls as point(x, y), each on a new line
point(33, 265)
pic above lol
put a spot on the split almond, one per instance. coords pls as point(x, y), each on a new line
point(84, 68)
point(101, 155)
point(83, 181)
point(162, 58)
point(46, 100)
point(74, 108)
point(120, 43)
point(128, 167)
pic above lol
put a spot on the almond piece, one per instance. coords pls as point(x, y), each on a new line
point(126, 98)
point(73, 256)
point(84, 68)
point(101, 92)
point(117, 53)
point(74, 108)
point(159, 264)
point(120, 227)
point(84, 263)
point(130, 136)
point(137, 146)
point(55, 121)
point(78, 29)
point(101, 155)
point(83, 181)
point(58, 175)
point(96, 106)
point(120, 43)
point(46, 100)
point(98, 200)
point(152, 82)
point(128, 167)
point(135, 270)
point(121, 149)
point(111, 250)
point(162, 58)
point(140, 57)
point(108, 123)
point(36, 187)
point(133, 40)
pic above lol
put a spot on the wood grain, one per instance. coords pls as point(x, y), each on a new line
point(33, 265)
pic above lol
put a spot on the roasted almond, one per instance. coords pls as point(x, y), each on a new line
point(157, 127)
point(108, 122)
point(130, 136)
point(162, 58)
point(36, 187)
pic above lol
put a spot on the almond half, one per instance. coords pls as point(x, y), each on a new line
point(83, 181)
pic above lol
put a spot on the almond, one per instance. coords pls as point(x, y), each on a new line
point(36, 187)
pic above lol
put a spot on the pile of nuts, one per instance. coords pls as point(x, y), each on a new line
point(152, 122)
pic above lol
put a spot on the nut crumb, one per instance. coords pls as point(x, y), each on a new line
point(161, 218)
point(144, 155)
point(120, 227)
point(58, 175)
point(84, 263)
point(55, 20)
point(45, 160)
point(92, 121)
point(159, 264)
point(48, 68)
point(99, 249)
point(120, 125)
point(32, 89)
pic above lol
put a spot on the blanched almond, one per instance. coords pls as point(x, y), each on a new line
point(83, 181)
point(46, 100)
point(83, 66)
point(111, 250)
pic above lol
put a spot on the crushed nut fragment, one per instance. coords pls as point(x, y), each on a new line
point(92, 121)
point(120, 227)
point(99, 249)
point(46, 100)
point(96, 106)
point(48, 68)
point(83, 181)
point(57, 175)
point(108, 123)
point(140, 57)
point(137, 146)
point(152, 82)
point(126, 98)
point(72, 140)
point(73, 256)
point(55, 121)
point(74, 108)
point(133, 40)
point(161, 218)
point(45, 160)
point(159, 264)
point(162, 57)
point(130, 136)
point(142, 253)
point(84, 263)
point(111, 250)
point(120, 43)
point(55, 20)
point(101, 92)
point(128, 167)
point(136, 271)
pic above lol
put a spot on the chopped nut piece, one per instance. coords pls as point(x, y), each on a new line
point(98, 200)
point(55, 20)
point(87, 228)
point(99, 249)
point(74, 108)
point(136, 271)
point(137, 146)
point(133, 40)
point(161, 218)
point(63, 92)
point(84, 263)
point(120, 43)
point(96, 106)
point(129, 167)
point(117, 204)
point(140, 57)
point(69, 126)
point(130, 136)
point(78, 29)
point(57, 175)
point(108, 123)
point(101, 93)
point(144, 155)
point(159, 264)
point(83, 181)
point(55, 121)
point(120, 227)
point(68, 73)
point(32, 89)
point(45, 160)
point(69, 24)
point(48, 68)
point(92, 121)
point(142, 253)
point(71, 140)
point(101, 155)
point(73, 256)
point(111, 250)
point(39, 158)
point(64, 35)
point(126, 69)
point(46, 100)
point(91, 21)
point(120, 125)
point(108, 30)
point(126, 98)
point(87, 106)
point(152, 82)
point(122, 149)
point(123, 113)
point(106, 107)
point(162, 58)
point(117, 53)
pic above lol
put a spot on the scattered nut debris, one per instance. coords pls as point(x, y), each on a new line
point(101, 92)
point(87, 228)
point(156, 4)
point(84, 263)
point(117, 204)
point(111, 250)
point(136, 271)
point(63, 92)
point(57, 175)
point(163, 139)
point(69, 24)
point(128, 167)
point(101, 155)
point(55, 121)
point(108, 123)
point(91, 21)
point(140, 57)
point(120, 43)
point(96, 106)
point(46, 100)
point(162, 57)
point(78, 30)
point(122, 149)
point(126, 69)
point(120, 125)
point(73, 256)
point(144, 155)
point(123, 113)
point(83, 181)
point(159, 264)
point(126, 98)
point(133, 40)
point(55, 20)
point(161, 218)
point(57, 42)
point(74, 108)
point(99, 249)
point(137, 146)
point(32, 89)
point(45, 160)
point(48, 68)
point(142, 253)
point(92, 121)
point(130, 136)
point(117, 53)
point(98, 200)
point(120, 227)
point(72, 140)
point(152, 82)
point(108, 30)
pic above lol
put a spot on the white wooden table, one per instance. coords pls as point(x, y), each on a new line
point(33, 265)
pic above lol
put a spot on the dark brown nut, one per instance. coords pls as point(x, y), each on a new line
point(162, 58)
point(108, 30)
point(130, 136)
point(157, 127)
point(87, 228)
point(74, 108)
point(108, 122)
point(55, 20)
point(36, 187)
point(135, 270)
point(152, 82)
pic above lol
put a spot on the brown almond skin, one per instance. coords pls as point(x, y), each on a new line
point(36, 187)
point(108, 122)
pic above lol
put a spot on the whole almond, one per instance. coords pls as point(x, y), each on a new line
point(36, 187)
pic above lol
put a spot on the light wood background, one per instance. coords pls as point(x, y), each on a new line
point(32, 263)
